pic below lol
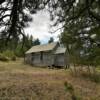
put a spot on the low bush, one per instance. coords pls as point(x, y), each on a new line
point(10, 54)
point(3, 58)
point(13, 58)
point(69, 88)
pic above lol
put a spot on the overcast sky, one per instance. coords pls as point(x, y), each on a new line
point(40, 27)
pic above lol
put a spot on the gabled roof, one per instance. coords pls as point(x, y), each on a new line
point(60, 50)
point(44, 47)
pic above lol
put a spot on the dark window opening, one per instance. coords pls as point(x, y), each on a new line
point(32, 57)
point(41, 55)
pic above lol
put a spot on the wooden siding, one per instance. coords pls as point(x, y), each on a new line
point(46, 60)
point(28, 58)
point(59, 60)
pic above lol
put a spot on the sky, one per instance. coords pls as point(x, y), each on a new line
point(40, 27)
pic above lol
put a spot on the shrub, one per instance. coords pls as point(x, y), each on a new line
point(70, 89)
point(13, 58)
point(3, 58)
point(9, 54)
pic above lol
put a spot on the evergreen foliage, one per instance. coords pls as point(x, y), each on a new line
point(51, 40)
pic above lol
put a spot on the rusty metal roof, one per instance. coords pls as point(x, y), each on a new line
point(44, 47)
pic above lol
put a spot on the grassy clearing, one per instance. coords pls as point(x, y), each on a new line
point(23, 82)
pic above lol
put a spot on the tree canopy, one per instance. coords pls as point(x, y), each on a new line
point(51, 40)
point(81, 24)
point(15, 15)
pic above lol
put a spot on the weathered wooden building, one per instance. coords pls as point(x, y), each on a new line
point(51, 54)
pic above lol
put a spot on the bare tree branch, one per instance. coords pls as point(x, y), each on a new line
point(2, 1)
point(7, 15)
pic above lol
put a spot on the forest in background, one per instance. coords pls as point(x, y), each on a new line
point(80, 23)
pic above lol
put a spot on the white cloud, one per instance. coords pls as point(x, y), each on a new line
point(40, 27)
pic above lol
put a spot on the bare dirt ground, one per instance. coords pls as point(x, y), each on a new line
point(24, 82)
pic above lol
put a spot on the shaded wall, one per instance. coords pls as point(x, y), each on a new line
point(28, 58)
point(60, 60)
point(42, 58)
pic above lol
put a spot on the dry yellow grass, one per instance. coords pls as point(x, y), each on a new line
point(23, 82)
